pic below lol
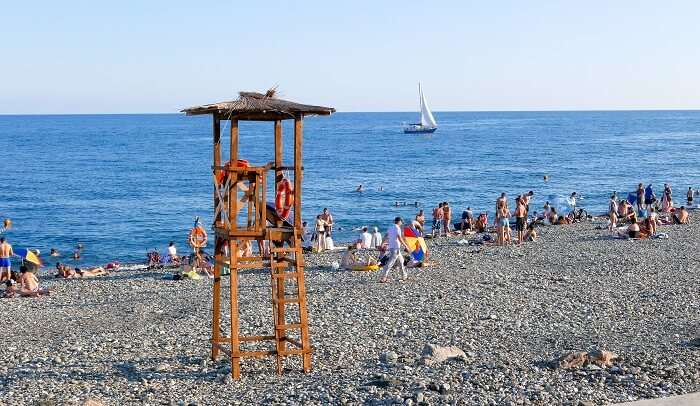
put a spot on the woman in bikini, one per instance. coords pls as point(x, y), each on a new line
point(29, 284)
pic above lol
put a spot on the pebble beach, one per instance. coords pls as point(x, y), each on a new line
point(511, 312)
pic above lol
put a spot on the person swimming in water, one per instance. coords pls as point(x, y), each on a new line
point(359, 188)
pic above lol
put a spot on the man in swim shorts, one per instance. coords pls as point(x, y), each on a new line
point(520, 219)
point(328, 218)
point(5, 264)
point(437, 219)
point(690, 196)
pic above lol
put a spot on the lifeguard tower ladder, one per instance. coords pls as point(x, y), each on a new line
point(242, 215)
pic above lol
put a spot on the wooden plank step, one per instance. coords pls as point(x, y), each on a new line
point(295, 351)
point(286, 275)
point(288, 326)
point(285, 250)
point(293, 299)
point(245, 265)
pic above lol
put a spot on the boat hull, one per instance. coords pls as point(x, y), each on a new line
point(419, 130)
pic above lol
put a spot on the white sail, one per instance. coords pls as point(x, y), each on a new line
point(426, 117)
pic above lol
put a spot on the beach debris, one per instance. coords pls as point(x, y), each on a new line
point(577, 359)
point(433, 354)
point(389, 357)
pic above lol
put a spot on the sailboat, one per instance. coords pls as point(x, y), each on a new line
point(427, 121)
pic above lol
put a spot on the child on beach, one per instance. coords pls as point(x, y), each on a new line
point(29, 284)
point(10, 288)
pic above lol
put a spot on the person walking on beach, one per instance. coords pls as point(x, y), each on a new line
point(396, 243)
point(327, 217)
point(520, 219)
point(446, 218)
point(640, 197)
point(5, 264)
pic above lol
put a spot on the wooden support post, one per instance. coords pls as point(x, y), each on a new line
point(233, 254)
point(298, 130)
point(299, 259)
point(216, 305)
point(278, 152)
point(233, 192)
point(235, 340)
point(279, 289)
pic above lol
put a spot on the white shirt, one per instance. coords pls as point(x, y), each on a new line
point(366, 239)
point(172, 250)
point(393, 234)
point(376, 240)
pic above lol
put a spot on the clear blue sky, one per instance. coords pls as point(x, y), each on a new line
point(159, 56)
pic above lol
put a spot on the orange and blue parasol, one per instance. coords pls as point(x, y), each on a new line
point(28, 256)
point(416, 243)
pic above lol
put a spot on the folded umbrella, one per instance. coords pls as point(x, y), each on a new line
point(416, 243)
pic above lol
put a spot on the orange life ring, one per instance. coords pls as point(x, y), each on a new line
point(198, 237)
point(221, 175)
point(284, 199)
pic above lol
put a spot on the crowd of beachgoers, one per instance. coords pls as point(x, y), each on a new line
point(637, 215)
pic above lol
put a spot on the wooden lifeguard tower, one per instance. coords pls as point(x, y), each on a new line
point(242, 215)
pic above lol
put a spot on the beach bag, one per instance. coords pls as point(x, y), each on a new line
point(329, 243)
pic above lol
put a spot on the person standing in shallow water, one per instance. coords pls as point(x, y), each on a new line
point(689, 196)
point(396, 243)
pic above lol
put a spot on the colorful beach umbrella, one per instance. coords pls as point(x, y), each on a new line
point(28, 256)
point(416, 243)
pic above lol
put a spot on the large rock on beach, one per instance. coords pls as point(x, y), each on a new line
point(433, 354)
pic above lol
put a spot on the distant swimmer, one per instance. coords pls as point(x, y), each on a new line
point(359, 188)
point(546, 178)
point(381, 188)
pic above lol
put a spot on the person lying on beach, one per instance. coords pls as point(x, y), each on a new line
point(681, 216)
point(29, 284)
point(64, 271)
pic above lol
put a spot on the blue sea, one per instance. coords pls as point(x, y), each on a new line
point(125, 184)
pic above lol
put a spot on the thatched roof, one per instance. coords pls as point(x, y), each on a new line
point(258, 106)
